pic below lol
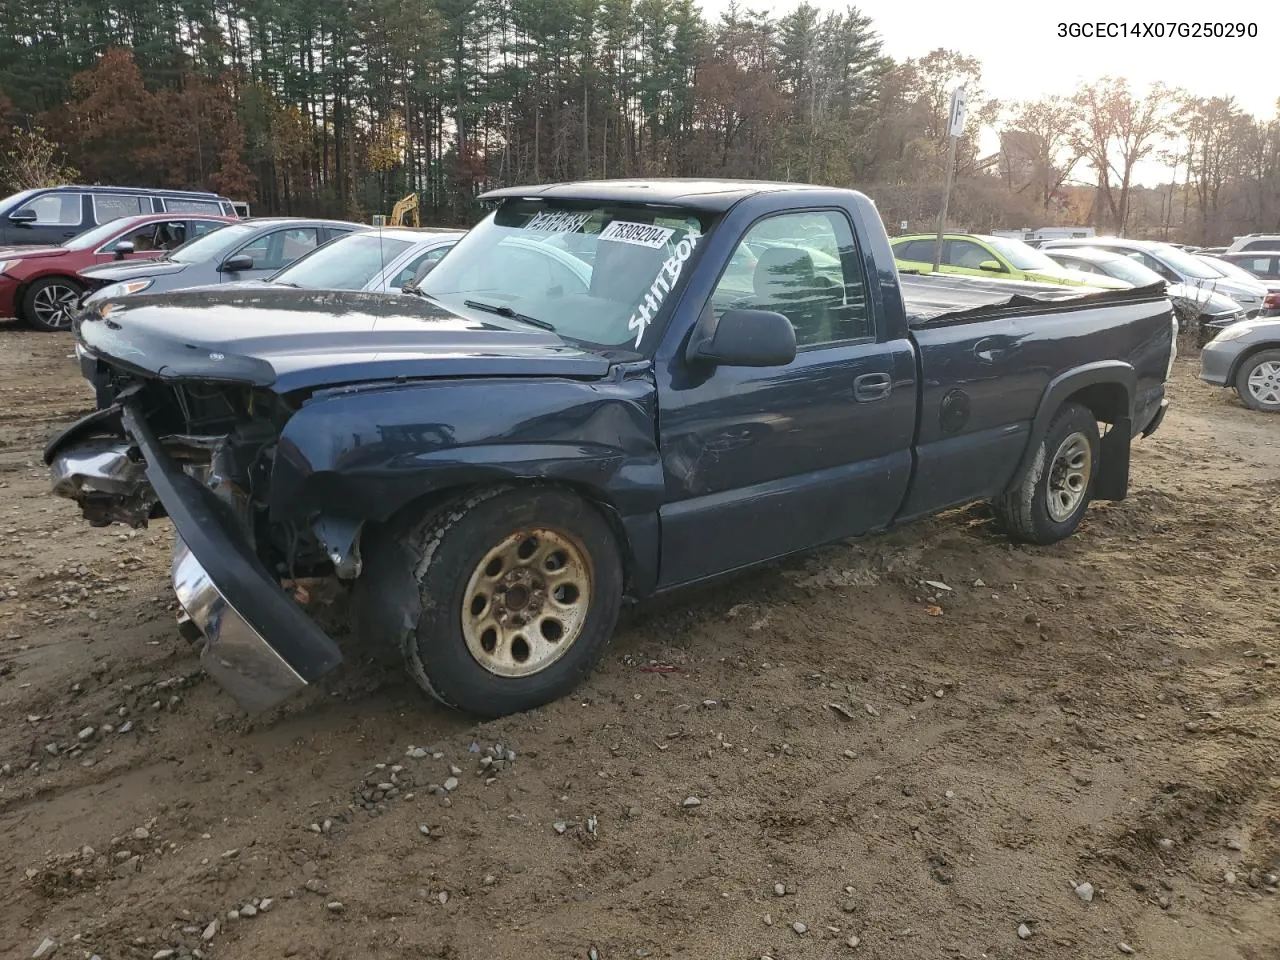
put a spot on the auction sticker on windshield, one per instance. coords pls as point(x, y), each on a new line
point(640, 234)
point(558, 222)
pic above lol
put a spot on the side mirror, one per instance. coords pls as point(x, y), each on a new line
point(991, 266)
point(426, 268)
point(748, 338)
point(237, 263)
point(24, 217)
point(122, 248)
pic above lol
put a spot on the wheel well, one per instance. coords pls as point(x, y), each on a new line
point(1240, 360)
point(1109, 402)
point(439, 499)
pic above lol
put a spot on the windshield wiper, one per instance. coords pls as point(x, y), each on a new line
point(508, 312)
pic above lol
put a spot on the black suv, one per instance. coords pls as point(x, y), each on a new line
point(48, 216)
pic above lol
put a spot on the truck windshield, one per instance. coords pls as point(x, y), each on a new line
point(598, 273)
point(347, 263)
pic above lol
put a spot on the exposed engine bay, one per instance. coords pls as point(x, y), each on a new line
point(223, 435)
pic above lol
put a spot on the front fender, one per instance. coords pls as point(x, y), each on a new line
point(364, 453)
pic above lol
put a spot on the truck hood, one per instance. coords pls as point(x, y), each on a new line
point(291, 339)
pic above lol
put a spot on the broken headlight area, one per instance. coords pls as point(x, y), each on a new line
point(133, 462)
point(225, 437)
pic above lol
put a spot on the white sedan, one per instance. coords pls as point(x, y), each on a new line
point(378, 261)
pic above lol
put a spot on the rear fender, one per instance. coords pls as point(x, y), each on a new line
point(1106, 387)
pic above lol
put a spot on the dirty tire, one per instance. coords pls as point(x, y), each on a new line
point(49, 303)
point(451, 547)
point(1025, 511)
point(1263, 368)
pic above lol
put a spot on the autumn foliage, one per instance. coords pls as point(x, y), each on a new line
point(119, 132)
point(341, 107)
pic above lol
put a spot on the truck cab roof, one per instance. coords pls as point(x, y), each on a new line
point(711, 196)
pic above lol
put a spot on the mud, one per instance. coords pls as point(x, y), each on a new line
point(924, 769)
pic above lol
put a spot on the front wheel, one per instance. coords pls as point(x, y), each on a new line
point(50, 303)
point(1050, 497)
point(1258, 381)
point(519, 593)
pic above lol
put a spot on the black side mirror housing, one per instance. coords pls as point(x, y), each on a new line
point(24, 217)
point(122, 248)
point(746, 338)
point(237, 263)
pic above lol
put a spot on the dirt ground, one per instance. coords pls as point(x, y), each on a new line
point(1105, 711)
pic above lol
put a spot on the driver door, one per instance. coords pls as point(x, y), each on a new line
point(761, 462)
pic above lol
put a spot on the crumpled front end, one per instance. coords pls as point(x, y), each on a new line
point(256, 641)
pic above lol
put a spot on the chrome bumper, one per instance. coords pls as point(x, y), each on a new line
point(109, 484)
point(257, 643)
point(235, 654)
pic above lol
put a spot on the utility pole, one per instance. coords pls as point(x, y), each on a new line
point(955, 127)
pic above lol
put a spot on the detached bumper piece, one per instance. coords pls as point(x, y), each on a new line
point(1154, 425)
point(258, 644)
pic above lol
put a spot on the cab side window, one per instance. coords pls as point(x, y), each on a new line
point(806, 267)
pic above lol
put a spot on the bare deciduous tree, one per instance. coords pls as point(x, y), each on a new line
point(33, 160)
point(1117, 131)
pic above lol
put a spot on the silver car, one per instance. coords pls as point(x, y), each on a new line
point(378, 261)
point(1246, 357)
point(246, 250)
point(1176, 266)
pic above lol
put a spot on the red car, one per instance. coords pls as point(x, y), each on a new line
point(39, 286)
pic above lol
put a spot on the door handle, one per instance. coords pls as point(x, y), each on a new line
point(991, 349)
point(872, 386)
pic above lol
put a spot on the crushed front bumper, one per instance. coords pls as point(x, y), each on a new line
point(258, 644)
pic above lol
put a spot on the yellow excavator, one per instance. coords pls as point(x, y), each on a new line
point(405, 212)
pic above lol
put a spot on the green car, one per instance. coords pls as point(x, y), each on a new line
point(974, 255)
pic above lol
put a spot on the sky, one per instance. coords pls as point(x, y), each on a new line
point(1023, 57)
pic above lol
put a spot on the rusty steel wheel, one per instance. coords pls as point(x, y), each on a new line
point(526, 602)
point(501, 599)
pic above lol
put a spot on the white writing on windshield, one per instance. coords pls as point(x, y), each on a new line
point(662, 285)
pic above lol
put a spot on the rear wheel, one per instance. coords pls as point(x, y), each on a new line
point(519, 594)
point(1258, 381)
point(50, 302)
point(1051, 495)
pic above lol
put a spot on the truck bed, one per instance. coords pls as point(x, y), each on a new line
point(933, 299)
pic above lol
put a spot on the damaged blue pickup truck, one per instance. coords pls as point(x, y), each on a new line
point(606, 391)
